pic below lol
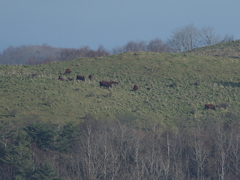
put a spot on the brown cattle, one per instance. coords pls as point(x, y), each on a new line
point(210, 106)
point(67, 71)
point(135, 87)
point(90, 77)
point(70, 79)
point(82, 78)
point(107, 84)
point(61, 78)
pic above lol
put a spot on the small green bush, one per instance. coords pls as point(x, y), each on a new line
point(14, 112)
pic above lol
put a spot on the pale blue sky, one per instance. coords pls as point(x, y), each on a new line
point(111, 23)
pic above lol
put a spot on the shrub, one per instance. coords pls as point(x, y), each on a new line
point(223, 105)
point(230, 115)
point(90, 94)
point(108, 94)
point(193, 110)
point(175, 84)
point(197, 83)
point(14, 112)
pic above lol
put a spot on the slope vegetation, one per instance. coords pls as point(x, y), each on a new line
point(171, 87)
point(226, 49)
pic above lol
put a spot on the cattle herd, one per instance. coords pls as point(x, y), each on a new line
point(108, 84)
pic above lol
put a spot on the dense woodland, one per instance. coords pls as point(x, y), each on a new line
point(209, 149)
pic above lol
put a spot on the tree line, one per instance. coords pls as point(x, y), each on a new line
point(205, 148)
point(31, 55)
point(182, 39)
point(190, 37)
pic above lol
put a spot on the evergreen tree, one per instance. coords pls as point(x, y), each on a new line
point(43, 135)
point(18, 157)
point(45, 172)
point(67, 136)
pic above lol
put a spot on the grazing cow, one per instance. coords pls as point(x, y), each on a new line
point(61, 78)
point(90, 77)
point(82, 78)
point(70, 79)
point(135, 87)
point(67, 71)
point(210, 106)
point(107, 84)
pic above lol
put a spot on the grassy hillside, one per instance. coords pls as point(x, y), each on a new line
point(171, 87)
point(226, 49)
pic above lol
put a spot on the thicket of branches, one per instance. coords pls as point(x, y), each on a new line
point(155, 45)
point(207, 149)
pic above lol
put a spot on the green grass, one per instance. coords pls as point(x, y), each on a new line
point(166, 88)
point(226, 49)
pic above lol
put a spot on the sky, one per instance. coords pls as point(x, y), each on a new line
point(111, 23)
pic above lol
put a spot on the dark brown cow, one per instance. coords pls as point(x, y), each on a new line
point(67, 71)
point(61, 78)
point(90, 77)
point(210, 106)
point(135, 87)
point(70, 79)
point(82, 78)
point(107, 84)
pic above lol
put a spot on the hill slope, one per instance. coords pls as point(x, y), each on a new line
point(226, 49)
point(171, 87)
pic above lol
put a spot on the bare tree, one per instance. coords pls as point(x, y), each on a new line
point(133, 46)
point(234, 150)
point(157, 45)
point(208, 36)
point(228, 38)
point(101, 51)
point(201, 148)
point(189, 37)
point(118, 50)
point(185, 38)
point(221, 140)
